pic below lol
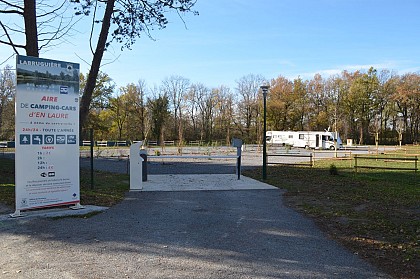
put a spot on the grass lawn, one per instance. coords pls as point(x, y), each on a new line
point(375, 213)
point(109, 188)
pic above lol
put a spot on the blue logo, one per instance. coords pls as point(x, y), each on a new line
point(49, 139)
point(71, 139)
point(64, 89)
point(37, 139)
point(25, 139)
point(60, 139)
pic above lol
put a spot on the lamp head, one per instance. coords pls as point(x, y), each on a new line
point(264, 89)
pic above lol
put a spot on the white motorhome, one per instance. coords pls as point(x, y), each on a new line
point(305, 139)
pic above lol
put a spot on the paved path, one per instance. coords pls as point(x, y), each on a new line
point(180, 234)
point(201, 182)
point(191, 234)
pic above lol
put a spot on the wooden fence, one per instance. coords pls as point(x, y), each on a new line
point(414, 160)
point(295, 155)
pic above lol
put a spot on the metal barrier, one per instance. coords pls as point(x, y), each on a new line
point(194, 142)
point(3, 146)
point(121, 143)
point(102, 143)
point(235, 143)
point(152, 142)
point(86, 143)
point(238, 158)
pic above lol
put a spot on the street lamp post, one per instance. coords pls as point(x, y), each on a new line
point(264, 89)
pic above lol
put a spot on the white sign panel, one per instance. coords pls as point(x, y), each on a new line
point(47, 133)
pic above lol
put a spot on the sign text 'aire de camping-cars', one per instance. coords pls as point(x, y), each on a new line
point(47, 133)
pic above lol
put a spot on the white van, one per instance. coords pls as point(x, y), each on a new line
point(305, 139)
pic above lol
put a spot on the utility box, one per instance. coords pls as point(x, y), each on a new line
point(237, 143)
point(136, 168)
point(143, 155)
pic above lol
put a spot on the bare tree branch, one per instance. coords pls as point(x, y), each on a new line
point(92, 27)
point(10, 43)
point(11, 5)
point(10, 12)
point(7, 59)
point(54, 12)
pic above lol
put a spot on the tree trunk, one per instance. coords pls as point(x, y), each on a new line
point(31, 31)
point(96, 63)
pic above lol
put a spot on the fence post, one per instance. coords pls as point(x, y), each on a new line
point(92, 185)
point(355, 163)
point(312, 159)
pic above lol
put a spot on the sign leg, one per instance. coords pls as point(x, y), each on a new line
point(77, 206)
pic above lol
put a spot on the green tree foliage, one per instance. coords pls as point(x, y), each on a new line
point(7, 106)
point(280, 104)
point(407, 98)
point(363, 106)
point(159, 114)
point(101, 96)
point(133, 98)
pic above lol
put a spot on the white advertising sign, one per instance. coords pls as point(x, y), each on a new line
point(47, 133)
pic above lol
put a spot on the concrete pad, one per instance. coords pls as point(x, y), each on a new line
point(202, 182)
point(55, 212)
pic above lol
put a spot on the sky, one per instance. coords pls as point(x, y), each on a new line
point(230, 39)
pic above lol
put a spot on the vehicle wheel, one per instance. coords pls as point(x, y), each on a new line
point(332, 147)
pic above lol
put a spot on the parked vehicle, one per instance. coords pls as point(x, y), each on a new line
point(305, 139)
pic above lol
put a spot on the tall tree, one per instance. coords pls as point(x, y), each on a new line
point(176, 88)
point(385, 107)
point(45, 24)
point(119, 107)
point(204, 102)
point(135, 124)
point(407, 98)
point(122, 22)
point(248, 88)
point(7, 95)
point(317, 104)
point(104, 89)
point(158, 107)
point(128, 20)
point(224, 112)
point(300, 104)
point(279, 104)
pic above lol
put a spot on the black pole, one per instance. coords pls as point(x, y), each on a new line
point(264, 170)
point(92, 186)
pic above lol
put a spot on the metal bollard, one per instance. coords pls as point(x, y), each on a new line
point(143, 154)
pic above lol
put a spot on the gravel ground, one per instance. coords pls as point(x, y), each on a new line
point(175, 166)
point(196, 234)
point(199, 234)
